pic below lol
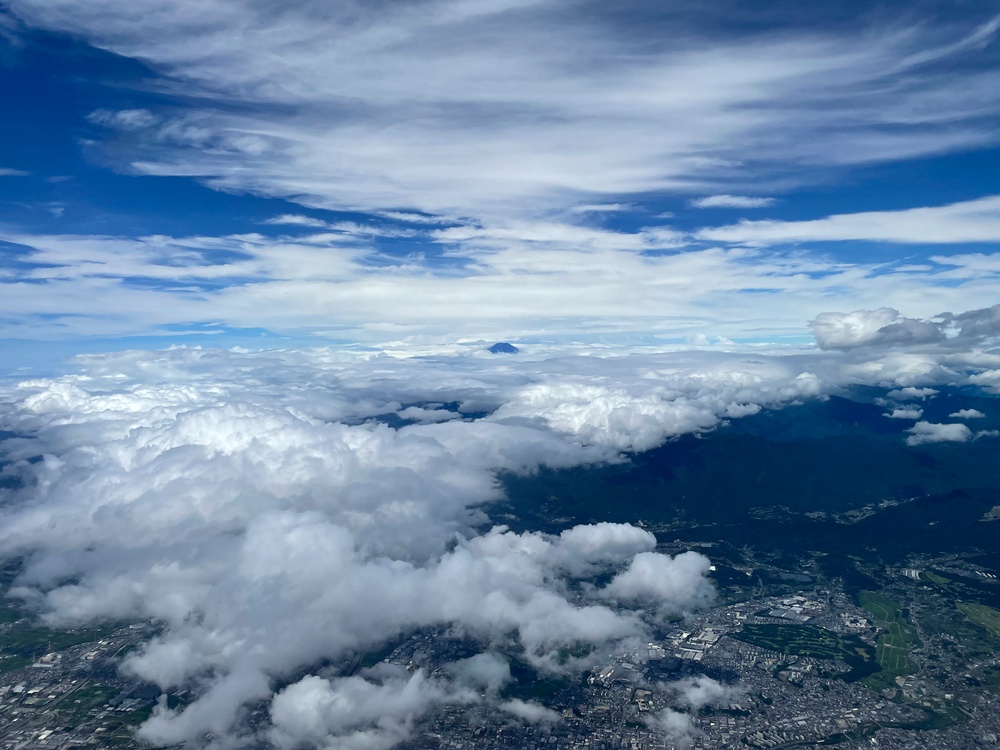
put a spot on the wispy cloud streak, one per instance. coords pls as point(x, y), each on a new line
point(504, 109)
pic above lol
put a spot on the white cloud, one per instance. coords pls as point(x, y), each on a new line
point(906, 412)
point(8, 172)
point(965, 266)
point(845, 330)
point(420, 414)
point(676, 726)
point(608, 542)
point(967, 414)
point(526, 279)
point(358, 714)
point(602, 208)
point(515, 122)
point(969, 221)
point(910, 392)
point(297, 220)
point(662, 581)
point(532, 713)
point(496, 155)
point(487, 671)
point(223, 494)
point(241, 496)
point(988, 379)
point(124, 119)
point(732, 201)
point(887, 328)
point(412, 218)
point(931, 432)
point(694, 693)
point(514, 235)
point(691, 694)
point(637, 415)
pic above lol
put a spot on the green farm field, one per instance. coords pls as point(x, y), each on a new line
point(819, 643)
point(893, 646)
point(984, 616)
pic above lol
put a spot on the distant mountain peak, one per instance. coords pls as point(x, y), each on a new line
point(502, 347)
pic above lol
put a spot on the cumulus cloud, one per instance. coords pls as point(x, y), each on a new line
point(931, 432)
point(676, 726)
point(488, 672)
point(974, 325)
point(881, 327)
point(236, 496)
point(360, 714)
point(732, 201)
point(532, 713)
point(886, 328)
point(663, 582)
point(610, 542)
point(967, 414)
point(906, 412)
point(694, 693)
point(691, 694)
point(638, 416)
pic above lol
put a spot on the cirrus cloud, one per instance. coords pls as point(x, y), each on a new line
point(732, 201)
point(969, 221)
point(503, 108)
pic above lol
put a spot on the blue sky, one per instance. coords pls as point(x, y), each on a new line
point(454, 170)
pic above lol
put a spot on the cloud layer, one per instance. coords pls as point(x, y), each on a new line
point(969, 221)
point(234, 496)
point(469, 140)
point(526, 279)
point(477, 108)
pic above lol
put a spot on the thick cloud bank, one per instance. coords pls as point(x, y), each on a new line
point(255, 505)
point(887, 327)
point(281, 510)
